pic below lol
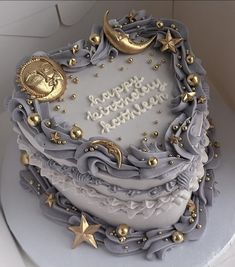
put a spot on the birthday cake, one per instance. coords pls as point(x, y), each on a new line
point(115, 137)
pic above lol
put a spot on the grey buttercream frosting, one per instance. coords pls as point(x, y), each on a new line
point(195, 152)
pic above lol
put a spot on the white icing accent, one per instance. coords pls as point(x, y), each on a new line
point(144, 214)
point(138, 90)
point(128, 115)
point(110, 86)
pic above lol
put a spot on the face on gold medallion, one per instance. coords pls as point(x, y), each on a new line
point(42, 78)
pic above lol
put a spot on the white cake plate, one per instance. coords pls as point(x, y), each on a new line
point(49, 244)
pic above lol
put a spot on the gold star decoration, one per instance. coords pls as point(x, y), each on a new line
point(169, 43)
point(50, 200)
point(188, 96)
point(131, 17)
point(174, 139)
point(55, 137)
point(201, 99)
point(84, 232)
point(191, 206)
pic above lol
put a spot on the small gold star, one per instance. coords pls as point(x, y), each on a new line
point(201, 99)
point(174, 140)
point(131, 17)
point(50, 200)
point(169, 42)
point(84, 232)
point(55, 137)
point(188, 96)
point(191, 206)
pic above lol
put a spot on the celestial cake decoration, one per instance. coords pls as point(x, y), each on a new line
point(188, 96)
point(121, 41)
point(177, 237)
point(76, 132)
point(42, 78)
point(169, 43)
point(94, 39)
point(84, 232)
point(112, 148)
point(124, 239)
point(75, 49)
point(34, 119)
point(50, 200)
point(24, 158)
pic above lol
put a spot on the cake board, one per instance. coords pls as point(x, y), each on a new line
point(49, 244)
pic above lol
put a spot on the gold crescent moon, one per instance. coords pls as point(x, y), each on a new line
point(42, 78)
point(121, 40)
point(112, 148)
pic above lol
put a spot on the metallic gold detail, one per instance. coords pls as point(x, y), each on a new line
point(55, 138)
point(188, 96)
point(50, 200)
point(131, 17)
point(130, 60)
point(75, 80)
point(75, 49)
point(169, 43)
point(177, 237)
point(76, 132)
point(193, 79)
point(191, 206)
point(42, 78)
point(57, 108)
point(84, 232)
point(174, 140)
point(190, 59)
point(159, 24)
point(122, 230)
point(24, 158)
point(94, 39)
point(72, 61)
point(201, 99)
point(34, 119)
point(121, 41)
point(152, 161)
point(73, 96)
point(112, 148)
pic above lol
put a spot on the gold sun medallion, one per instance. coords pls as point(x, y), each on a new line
point(42, 78)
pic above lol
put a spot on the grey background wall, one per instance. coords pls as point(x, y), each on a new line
point(28, 26)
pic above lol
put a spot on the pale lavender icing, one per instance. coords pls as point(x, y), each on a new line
point(185, 158)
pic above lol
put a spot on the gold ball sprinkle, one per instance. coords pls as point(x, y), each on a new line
point(159, 24)
point(76, 132)
point(75, 80)
point(199, 226)
point(122, 230)
point(156, 66)
point(177, 237)
point(75, 49)
point(72, 62)
point(193, 79)
point(190, 59)
point(191, 220)
point(24, 158)
point(73, 96)
point(130, 60)
point(57, 107)
point(155, 134)
point(94, 39)
point(34, 119)
point(152, 161)
point(48, 124)
point(29, 101)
